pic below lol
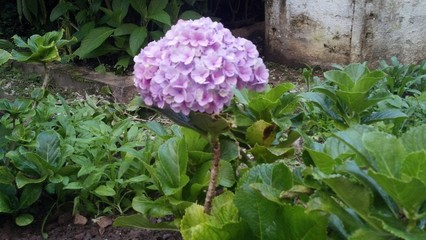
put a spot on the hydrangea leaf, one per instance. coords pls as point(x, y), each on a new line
point(210, 124)
point(414, 165)
point(387, 150)
point(409, 195)
point(153, 208)
point(265, 154)
point(142, 221)
point(323, 161)
point(222, 224)
point(415, 139)
point(261, 132)
point(269, 219)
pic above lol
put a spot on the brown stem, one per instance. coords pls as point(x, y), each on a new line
point(211, 191)
point(46, 76)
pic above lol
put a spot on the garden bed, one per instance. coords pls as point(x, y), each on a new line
point(18, 80)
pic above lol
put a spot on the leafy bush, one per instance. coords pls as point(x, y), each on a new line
point(264, 122)
point(347, 97)
point(118, 28)
point(404, 79)
point(370, 183)
point(85, 150)
point(42, 49)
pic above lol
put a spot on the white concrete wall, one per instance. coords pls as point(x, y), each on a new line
point(322, 32)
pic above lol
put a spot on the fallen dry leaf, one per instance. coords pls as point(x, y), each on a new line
point(103, 222)
point(80, 219)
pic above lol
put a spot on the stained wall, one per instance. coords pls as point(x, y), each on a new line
point(323, 32)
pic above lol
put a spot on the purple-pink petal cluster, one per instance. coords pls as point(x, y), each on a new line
point(196, 66)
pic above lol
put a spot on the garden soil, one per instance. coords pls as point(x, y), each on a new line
point(64, 228)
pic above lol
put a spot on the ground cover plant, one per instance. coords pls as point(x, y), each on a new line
point(230, 168)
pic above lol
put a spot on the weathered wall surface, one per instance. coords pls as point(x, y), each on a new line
point(322, 32)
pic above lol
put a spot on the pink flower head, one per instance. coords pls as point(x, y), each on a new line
point(196, 66)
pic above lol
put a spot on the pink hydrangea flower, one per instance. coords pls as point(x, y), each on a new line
point(196, 66)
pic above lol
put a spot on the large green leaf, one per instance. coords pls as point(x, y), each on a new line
point(6, 177)
point(415, 138)
point(190, 15)
point(93, 40)
point(355, 71)
point(24, 219)
point(156, 11)
point(28, 162)
point(387, 150)
point(229, 150)
point(5, 203)
point(30, 194)
point(23, 180)
point(142, 221)
point(15, 107)
point(40, 48)
point(222, 224)
point(336, 148)
point(388, 114)
point(48, 148)
point(261, 132)
point(352, 137)
point(265, 154)
point(324, 162)
point(323, 102)
point(226, 174)
point(4, 56)
point(140, 6)
point(403, 233)
point(6, 45)
point(269, 219)
point(352, 168)
point(153, 208)
point(325, 202)
point(19, 42)
point(161, 16)
point(414, 166)
point(171, 165)
point(356, 101)
point(368, 81)
point(278, 91)
point(363, 234)
point(342, 79)
point(105, 191)
point(60, 9)
point(297, 224)
point(137, 38)
point(409, 195)
point(124, 29)
point(355, 195)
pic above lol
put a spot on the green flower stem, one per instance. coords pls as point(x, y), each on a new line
point(211, 191)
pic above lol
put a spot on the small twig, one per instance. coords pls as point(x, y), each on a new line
point(211, 191)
